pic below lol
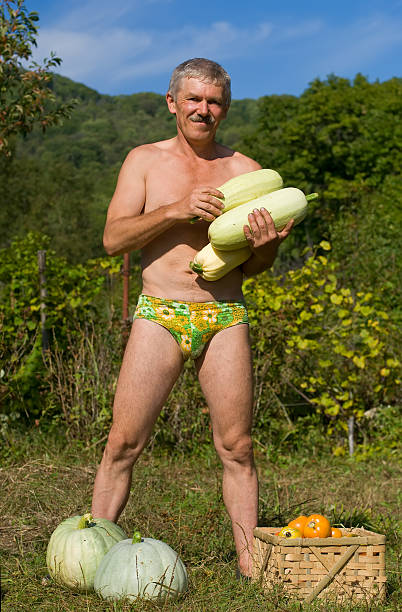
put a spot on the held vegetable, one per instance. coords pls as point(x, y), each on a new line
point(248, 186)
point(226, 231)
point(77, 546)
point(212, 264)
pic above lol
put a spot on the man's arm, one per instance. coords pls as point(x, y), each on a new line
point(128, 228)
point(263, 240)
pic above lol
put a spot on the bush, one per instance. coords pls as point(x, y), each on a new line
point(69, 303)
point(319, 346)
point(366, 239)
point(325, 356)
point(81, 381)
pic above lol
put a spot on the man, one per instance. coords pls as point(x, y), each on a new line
point(160, 189)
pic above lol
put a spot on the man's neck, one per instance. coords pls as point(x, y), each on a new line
point(207, 150)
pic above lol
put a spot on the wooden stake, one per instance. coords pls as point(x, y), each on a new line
point(43, 295)
point(351, 439)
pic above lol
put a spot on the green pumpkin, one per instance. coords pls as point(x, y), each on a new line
point(141, 568)
point(77, 546)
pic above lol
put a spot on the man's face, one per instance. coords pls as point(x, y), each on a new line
point(199, 108)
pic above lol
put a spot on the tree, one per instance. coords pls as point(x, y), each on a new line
point(319, 343)
point(340, 139)
point(25, 97)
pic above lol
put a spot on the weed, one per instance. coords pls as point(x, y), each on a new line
point(177, 498)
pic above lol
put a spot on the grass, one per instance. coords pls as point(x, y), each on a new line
point(178, 499)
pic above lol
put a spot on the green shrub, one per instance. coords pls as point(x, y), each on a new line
point(366, 242)
point(69, 303)
point(323, 353)
point(317, 341)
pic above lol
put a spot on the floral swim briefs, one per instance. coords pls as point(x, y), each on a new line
point(192, 324)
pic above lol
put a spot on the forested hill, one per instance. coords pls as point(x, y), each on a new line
point(340, 138)
point(61, 182)
point(104, 128)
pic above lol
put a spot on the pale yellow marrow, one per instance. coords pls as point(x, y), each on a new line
point(226, 232)
point(212, 264)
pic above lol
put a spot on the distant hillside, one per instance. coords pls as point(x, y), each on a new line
point(340, 138)
point(104, 128)
point(61, 182)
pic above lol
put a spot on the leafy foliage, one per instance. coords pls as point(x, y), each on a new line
point(336, 138)
point(340, 139)
point(319, 341)
point(24, 92)
point(366, 243)
point(322, 353)
point(63, 183)
point(323, 329)
point(56, 199)
point(103, 129)
point(70, 299)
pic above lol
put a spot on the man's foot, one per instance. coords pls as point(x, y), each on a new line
point(242, 577)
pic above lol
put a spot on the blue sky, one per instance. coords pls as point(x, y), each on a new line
point(129, 46)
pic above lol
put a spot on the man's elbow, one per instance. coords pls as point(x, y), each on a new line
point(110, 246)
point(109, 250)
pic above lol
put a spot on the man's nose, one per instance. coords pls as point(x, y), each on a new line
point(203, 107)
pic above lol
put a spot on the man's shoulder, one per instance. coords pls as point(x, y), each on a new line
point(148, 152)
point(242, 164)
point(247, 163)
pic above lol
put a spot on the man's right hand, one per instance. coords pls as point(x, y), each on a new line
point(203, 203)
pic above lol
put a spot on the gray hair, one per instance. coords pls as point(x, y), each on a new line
point(204, 70)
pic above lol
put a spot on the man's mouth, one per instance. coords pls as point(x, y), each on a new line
point(200, 119)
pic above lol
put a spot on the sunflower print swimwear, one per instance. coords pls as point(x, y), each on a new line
point(192, 324)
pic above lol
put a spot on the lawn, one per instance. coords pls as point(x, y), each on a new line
point(177, 498)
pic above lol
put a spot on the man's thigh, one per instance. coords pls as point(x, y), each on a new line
point(226, 378)
point(151, 365)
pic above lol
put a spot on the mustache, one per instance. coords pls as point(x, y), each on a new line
point(200, 119)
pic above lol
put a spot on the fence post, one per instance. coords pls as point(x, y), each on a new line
point(43, 295)
point(351, 438)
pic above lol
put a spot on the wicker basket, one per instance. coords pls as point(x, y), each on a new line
point(339, 568)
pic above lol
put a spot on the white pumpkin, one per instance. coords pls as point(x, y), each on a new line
point(77, 546)
point(141, 568)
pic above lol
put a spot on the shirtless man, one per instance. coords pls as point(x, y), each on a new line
point(160, 189)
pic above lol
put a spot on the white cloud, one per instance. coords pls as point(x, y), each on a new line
point(85, 55)
point(90, 15)
point(301, 30)
point(129, 53)
point(358, 44)
point(103, 44)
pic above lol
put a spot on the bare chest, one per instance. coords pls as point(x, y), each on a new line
point(171, 181)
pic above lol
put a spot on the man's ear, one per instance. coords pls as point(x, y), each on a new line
point(171, 103)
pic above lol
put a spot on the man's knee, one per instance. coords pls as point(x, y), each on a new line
point(119, 448)
point(235, 448)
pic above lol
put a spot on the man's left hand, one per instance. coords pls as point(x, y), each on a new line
point(262, 237)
